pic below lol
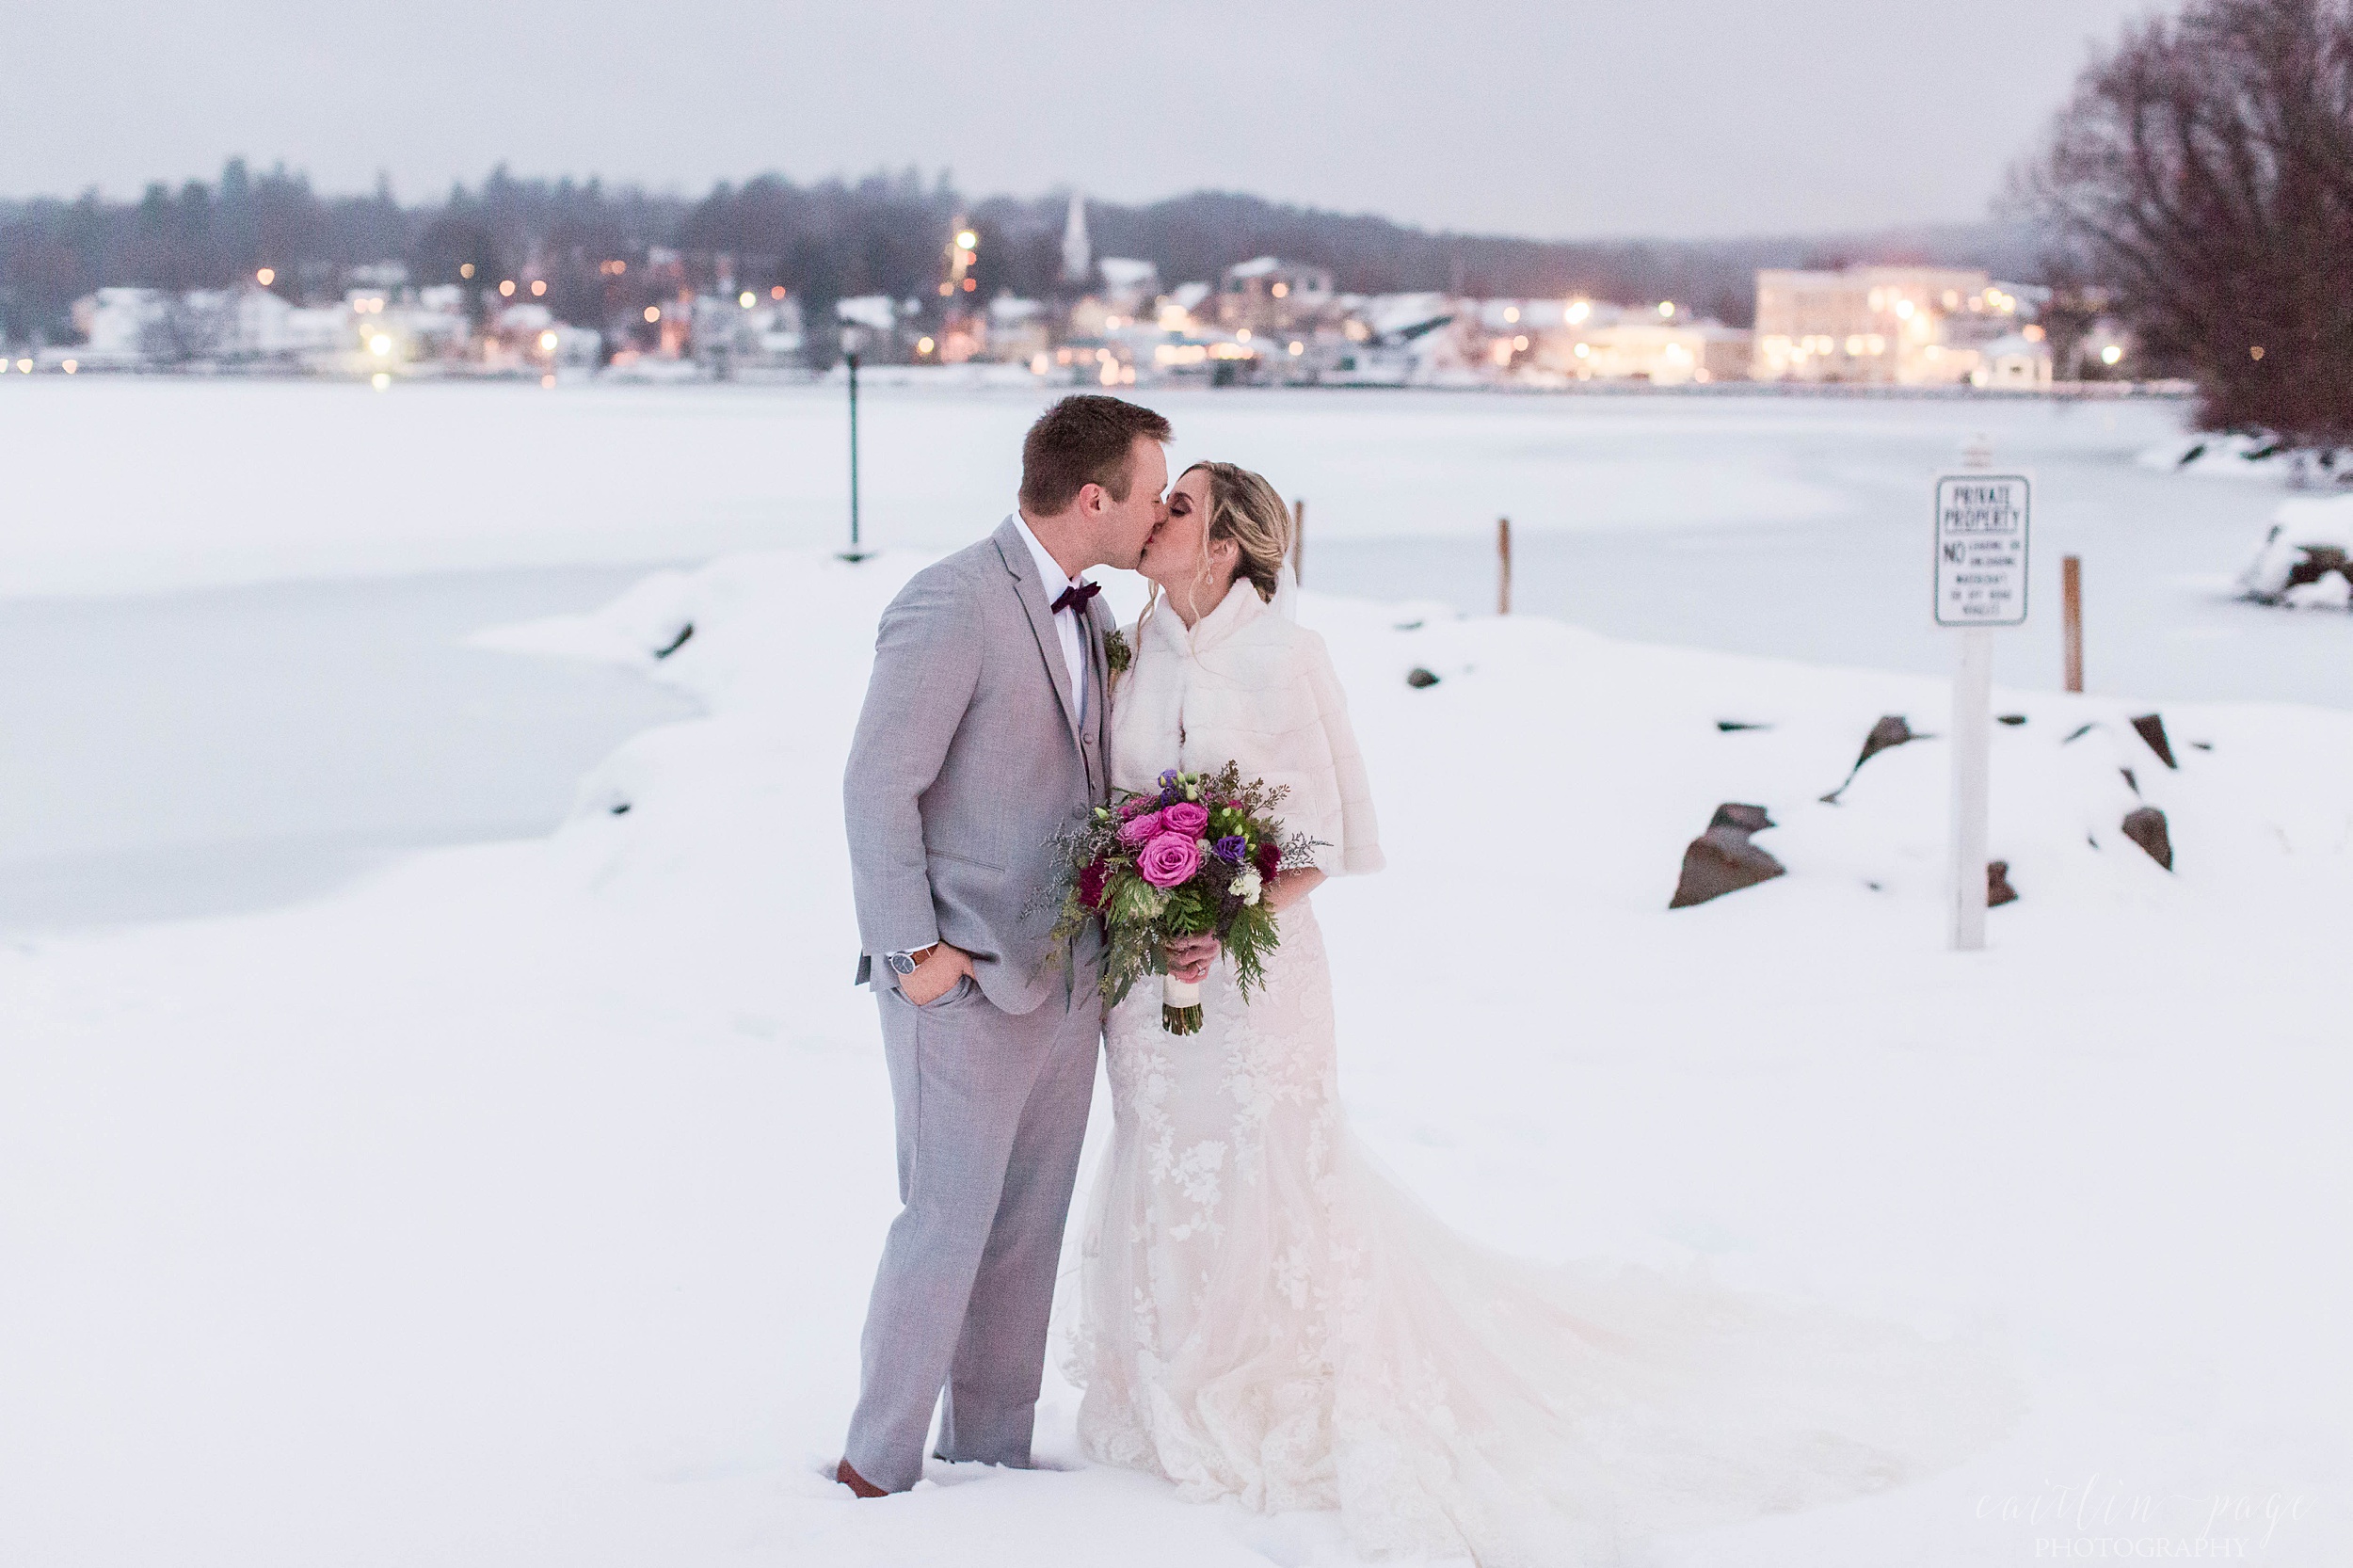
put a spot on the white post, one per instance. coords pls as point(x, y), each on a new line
point(1973, 747)
point(1973, 744)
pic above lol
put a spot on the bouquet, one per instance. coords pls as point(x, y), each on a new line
point(1190, 860)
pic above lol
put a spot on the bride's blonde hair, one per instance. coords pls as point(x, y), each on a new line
point(1242, 507)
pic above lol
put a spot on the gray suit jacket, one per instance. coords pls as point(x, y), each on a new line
point(969, 757)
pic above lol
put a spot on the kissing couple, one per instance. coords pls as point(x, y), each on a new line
point(1260, 1313)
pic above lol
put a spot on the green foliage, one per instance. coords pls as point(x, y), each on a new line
point(1220, 897)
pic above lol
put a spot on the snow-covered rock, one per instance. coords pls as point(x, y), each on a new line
point(1724, 860)
point(2251, 454)
point(2307, 559)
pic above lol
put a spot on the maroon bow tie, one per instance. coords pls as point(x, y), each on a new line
point(1076, 596)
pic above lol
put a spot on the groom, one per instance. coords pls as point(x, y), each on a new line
point(985, 731)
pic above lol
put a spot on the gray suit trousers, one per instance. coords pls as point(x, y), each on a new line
point(991, 1110)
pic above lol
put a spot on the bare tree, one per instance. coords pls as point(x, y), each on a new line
point(185, 327)
point(2204, 169)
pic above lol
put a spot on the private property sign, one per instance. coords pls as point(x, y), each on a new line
point(1982, 522)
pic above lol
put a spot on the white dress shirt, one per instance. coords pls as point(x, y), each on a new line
point(1066, 624)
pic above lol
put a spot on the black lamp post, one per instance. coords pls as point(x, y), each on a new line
point(853, 339)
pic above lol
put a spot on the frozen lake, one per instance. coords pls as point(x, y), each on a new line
point(228, 748)
point(231, 610)
point(1793, 526)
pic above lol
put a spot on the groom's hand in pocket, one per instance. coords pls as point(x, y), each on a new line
point(1189, 957)
point(936, 975)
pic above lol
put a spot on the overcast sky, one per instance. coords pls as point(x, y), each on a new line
point(1589, 118)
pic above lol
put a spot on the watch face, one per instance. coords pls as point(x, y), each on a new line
point(903, 962)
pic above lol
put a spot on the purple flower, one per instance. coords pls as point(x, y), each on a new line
point(1135, 806)
point(1137, 831)
point(1169, 859)
point(1187, 817)
point(1230, 849)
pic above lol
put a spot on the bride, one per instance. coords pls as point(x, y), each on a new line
point(1264, 1317)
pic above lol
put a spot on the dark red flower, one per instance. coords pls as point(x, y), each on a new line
point(1091, 883)
point(1269, 860)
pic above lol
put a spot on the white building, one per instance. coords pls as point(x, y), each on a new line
point(748, 332)
point(2017, 362)
point(387, 331)
point(267, 328)
point(1268, 293)
point(1129, 285)
point(1906, 325)
point(1019, 330)
point(1180, 309)
point(1664, 352)
point(131, 328)
point(116, 325)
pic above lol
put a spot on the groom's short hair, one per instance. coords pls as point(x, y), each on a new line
point(1084, 439)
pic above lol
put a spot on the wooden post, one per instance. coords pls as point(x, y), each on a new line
point(2071, 599)
point(1503, 563)
point(1298, 541)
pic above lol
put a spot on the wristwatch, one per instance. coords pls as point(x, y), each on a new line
point(903, 962)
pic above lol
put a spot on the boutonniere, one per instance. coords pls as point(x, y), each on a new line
point(1116, 652)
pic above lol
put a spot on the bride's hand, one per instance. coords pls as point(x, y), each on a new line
point(1290, 887)
point(1189, 957)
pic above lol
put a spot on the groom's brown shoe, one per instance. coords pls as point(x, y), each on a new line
point(857, 1482)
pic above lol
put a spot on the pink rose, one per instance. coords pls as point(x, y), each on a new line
point(1169, 859)
point(1137, 831)
point(1186, 817)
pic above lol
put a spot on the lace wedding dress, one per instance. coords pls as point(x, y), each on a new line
point(1263, 1315)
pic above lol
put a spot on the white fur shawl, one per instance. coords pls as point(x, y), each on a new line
point(1245, 685)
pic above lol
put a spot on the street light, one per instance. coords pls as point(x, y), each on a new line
point(852, 342)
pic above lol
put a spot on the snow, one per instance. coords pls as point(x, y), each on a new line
point(519, 1203)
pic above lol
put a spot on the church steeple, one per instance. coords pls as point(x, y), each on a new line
point(1078, 255)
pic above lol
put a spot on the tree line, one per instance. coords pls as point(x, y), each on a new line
point(831, 239)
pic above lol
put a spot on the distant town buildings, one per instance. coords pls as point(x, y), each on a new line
point(1110, 321)
point(1898, 326)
